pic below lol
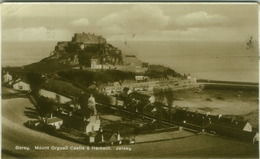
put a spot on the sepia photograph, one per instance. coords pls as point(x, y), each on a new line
point(130, 80)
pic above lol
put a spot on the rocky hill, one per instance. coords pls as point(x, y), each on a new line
point(85, 48)
point(89, 52)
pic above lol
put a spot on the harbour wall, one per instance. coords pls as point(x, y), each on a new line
point(231, 85)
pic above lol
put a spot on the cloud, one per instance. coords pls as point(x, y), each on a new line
point(203, 34)
point(189, 34)
point(81, 22)
point(139, 18)
point(113, 29)
point(200, 19)
point(36, 34)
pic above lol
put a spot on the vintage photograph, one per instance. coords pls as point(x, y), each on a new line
point(130, 80)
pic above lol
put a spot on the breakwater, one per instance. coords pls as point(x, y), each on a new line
point(234, 85)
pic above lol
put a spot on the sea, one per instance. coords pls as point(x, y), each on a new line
point(226, 61)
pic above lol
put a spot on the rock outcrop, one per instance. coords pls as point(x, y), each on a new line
point(83, 47)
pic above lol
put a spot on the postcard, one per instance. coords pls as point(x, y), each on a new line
point(130, 80)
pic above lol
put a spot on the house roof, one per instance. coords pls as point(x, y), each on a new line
point(113, 138)
point(231, 131)
point(16, 80)
point(234, 124)
point(53, 120)
point(139, 96)
point(149, 108)
point(93, 134)
point(7, 74)
point(19, 80)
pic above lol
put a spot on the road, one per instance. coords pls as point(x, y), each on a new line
point(14, 133)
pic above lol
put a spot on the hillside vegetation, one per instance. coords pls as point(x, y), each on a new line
point(87, 78)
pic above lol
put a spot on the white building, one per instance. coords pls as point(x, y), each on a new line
point(7, 77)
point(55, 121)
point(256, 138)
point(248, 127)
point(111, 88)
point(141, 78)
point(95, 64)
point(53, 95)
point(21, 86)
point(93, 125)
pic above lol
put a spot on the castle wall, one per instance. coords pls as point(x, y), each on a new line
point(88, 38)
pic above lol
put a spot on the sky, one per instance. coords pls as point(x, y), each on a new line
point(132, 21)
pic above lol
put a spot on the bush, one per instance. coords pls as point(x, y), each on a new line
point(45, 106)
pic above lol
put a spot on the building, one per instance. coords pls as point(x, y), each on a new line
point(21, 86)
point(92, 136)
point(93, 124)
point(113, 139)
point(139, 96)
point(141, 78)
point(233, 131)
point(88, 38)
point(116, 102)
point(7, 77)
point(95, 64)
point(234, 123)
point(53, 95)
point(256, 138)
point(248, 127)
point(111, 88)
point(54, 121)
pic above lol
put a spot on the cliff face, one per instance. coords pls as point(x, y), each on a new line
point(83, 48)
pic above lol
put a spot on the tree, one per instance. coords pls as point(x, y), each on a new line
point(169, 98)
point(159, 95)
point(162, 96)
point(35, 80)
point(45, 106)
point(159, 98)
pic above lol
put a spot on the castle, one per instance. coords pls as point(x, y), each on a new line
point(82, 39)
point(87, 38)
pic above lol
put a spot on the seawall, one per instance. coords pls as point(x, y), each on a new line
point(234, 85)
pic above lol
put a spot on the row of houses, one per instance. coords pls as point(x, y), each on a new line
point(229, 126)
point(143, 83)
point(15, 83)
